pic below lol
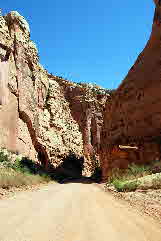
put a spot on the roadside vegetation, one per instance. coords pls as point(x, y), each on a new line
point(20, 172)
point(136, 177)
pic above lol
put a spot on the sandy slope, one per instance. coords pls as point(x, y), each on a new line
point(72, 212)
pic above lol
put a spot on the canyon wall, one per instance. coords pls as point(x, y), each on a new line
point(44, 117)
point(87, 102)
point(133, 116)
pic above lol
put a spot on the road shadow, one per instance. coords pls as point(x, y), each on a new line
point(83, 180)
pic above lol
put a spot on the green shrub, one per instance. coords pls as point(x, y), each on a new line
point(122, 186)
point(135, 177)
point(136, 170)
point(3, 157)
point(132, 172)
point(116, 174)
point(127, 179)
point(22, 172)
point(26, 165)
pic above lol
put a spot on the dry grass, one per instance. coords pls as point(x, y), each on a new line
point(133, 172)
point(147, 182)
point(11, 178)
point(135, 177)
point(21, 172)
point(150, 182)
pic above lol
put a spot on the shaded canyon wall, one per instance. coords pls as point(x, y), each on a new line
point(133, 117)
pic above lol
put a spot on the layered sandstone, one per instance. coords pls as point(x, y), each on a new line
point(42, 116)
point(133, 116)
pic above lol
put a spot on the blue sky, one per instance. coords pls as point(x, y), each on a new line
point(87, 40)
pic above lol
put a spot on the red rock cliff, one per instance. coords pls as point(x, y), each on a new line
point(134, 114)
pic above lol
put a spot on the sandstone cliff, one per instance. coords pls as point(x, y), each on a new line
point(42, 116)
point(134, 114)
point(87, 102)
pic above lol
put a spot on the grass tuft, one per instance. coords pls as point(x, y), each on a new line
point(22, 172)
point(10, 178)
point(122, 186)
point(132, 172)
point(135, 177)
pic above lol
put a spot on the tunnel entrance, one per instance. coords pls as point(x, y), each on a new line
point(71, 168)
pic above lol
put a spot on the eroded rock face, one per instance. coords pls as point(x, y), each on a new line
point(42, 117)
point(134, 114)
point(20, 78)
point(30, 124)
point(86, 103)
point(57, 128)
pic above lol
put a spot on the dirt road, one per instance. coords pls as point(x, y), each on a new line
point(72, 212)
